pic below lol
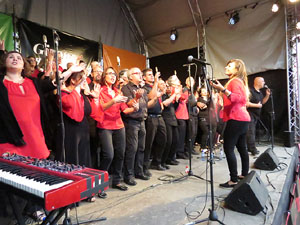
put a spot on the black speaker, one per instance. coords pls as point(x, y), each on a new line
point(267, 160)
point(248, 196)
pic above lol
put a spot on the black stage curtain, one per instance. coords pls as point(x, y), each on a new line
point(275, 79)
point(32, 33)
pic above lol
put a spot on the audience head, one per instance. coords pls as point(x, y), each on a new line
point(97, 73)
point(135, 75)
point(75, 79)
point(188, 83)
point(259, 82)
point(13, 61)
point(109, 77)
point(148, 76)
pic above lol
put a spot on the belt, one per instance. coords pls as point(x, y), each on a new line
point(154, 115)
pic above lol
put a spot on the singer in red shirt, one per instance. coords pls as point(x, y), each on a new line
point(235, 97)
point(111, 130)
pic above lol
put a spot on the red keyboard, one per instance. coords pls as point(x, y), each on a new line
point(57, 183)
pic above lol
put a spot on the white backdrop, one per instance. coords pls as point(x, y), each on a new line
point(258, 39)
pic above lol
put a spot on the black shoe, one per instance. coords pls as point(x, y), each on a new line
point(157, 167)
point(142, 177)
point(255, 152)
point(147, 173)
point(119, 186)
point(181, 156)
point(227, 185)
point(165, 166)
point(172, 162)
point(102, 194)
point(130, 182)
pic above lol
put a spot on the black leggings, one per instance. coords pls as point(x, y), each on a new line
point(235, 135)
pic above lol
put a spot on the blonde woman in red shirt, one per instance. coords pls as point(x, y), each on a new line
point(111, 130)
point(235, 96)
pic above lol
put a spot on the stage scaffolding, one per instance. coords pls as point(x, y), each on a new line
point(293, 73)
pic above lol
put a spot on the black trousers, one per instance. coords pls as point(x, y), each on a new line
point(135, 146)
point(235, 135)
point(155, 140)
point(170, 147)
point(191, 133)
point(182, 124)
point(112, 152)
point(251, 135)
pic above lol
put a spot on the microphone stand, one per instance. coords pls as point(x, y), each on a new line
point(272, 114)
point(67, 220)
point(190, 144)
point(213, 216)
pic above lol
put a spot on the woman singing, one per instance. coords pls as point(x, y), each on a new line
point(235, 95)
point(111, 130)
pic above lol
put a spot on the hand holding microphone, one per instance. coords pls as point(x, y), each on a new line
point(268, 90)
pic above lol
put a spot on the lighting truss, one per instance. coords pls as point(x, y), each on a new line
point(293, 73)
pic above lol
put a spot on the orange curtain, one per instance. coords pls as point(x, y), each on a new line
point(127, 59)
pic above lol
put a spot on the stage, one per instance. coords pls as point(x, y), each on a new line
point(160, 201)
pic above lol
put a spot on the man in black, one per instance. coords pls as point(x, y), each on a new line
point(135, 129)
point(155, 124)
point(254, 108)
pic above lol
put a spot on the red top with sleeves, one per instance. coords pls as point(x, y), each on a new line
point(26, 108)
point(112, 117)
point(73, 106)
point(182, 111)
point(234, 106)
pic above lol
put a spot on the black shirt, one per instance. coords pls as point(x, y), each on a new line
point(255, 97)
point(169, 112)
point(156, 109)
point(129, 91)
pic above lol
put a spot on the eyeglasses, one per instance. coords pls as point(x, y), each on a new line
point(136, 73)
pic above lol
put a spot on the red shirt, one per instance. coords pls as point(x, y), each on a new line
point(182, 111)
point(111, 117)
point(234, 106)
point(73, 106)
point(26, 108)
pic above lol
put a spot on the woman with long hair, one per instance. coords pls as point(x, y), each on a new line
point(235, 96)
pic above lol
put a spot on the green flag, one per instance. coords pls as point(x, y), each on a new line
point(6, 31)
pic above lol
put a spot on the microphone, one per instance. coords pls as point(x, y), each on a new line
point(266, 86)
point(118, 61)
point(199, 61)
point(56, 36)
point(44, 38)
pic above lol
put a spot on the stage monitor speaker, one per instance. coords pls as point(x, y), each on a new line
point(249, 196)
point(267, 160)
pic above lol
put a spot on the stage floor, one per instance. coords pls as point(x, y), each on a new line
point(160, 201)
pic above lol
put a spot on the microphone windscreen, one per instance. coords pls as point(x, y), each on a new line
point(190, 58)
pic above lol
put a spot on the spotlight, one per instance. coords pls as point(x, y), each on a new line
point(275, 7)
point(173, 35)
point(292, 1)
point(298, 25)
point(234, 18)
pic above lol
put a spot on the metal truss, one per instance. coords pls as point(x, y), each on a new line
point(293, 73)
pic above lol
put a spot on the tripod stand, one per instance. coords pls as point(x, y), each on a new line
point(190, 143)
point(212, 213)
